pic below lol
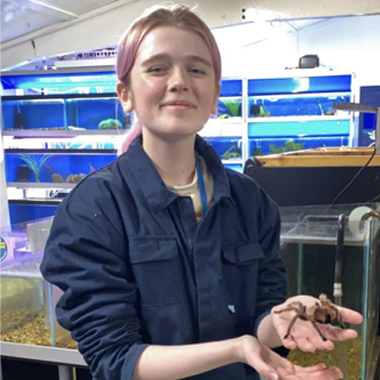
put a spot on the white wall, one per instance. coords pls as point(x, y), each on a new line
point(255, 50)
point(350, 44)
point(102, 28)
point(4, 211)
point(346, 44)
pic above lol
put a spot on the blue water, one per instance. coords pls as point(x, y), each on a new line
point(260, 146)
point(18, 170)
point(20, 213)
point(295, 106)
point(63, 113)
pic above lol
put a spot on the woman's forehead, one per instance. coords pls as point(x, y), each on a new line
point(172, 40)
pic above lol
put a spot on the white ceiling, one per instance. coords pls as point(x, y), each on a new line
point(20, 17)
point(32, 29)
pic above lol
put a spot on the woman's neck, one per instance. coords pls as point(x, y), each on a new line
point(174, 160)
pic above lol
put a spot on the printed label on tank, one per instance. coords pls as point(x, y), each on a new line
point(3, 249)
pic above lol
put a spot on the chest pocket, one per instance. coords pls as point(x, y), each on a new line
point(240, 277)
point(155, 264)
point(242, 255)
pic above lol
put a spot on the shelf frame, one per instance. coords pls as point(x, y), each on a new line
point(52, 355)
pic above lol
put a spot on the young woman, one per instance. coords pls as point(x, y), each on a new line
point(169, 262)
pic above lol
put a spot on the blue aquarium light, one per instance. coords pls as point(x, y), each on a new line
point(299, 85)
point(60, 82)
point(231, 87)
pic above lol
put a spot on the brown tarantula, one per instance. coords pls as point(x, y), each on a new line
point(323, 312)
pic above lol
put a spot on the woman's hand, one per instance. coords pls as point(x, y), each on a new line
point(271, 365)
point(303, 334)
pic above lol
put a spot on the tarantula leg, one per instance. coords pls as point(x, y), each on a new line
point(291, 325)
point(339, 318)
point(289, 308)
point(317, 328)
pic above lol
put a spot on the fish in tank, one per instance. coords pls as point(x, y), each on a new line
point(71, 178)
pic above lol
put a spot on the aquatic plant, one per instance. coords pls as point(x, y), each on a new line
point(256, 151)
point(289, 146)
point(232, 105)
point(35, 163)
point(234, 152)
point(110, 124)
point(71, 178)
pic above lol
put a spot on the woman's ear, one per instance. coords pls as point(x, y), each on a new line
point(214, 109)
point(125, 97)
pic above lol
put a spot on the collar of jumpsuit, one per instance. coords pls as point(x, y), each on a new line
point(137, 268)
point(156, 193)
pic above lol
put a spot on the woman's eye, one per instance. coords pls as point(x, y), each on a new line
point(197, 71)
point(157, 70)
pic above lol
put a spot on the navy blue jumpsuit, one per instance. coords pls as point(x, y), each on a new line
point(137, 269)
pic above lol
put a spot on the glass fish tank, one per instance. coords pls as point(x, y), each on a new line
point(27, 300)
point(227, 148)
point(62, 101)
point(294, 128)
point(229, 107)
point(270, 145)
point(294, 105)
point(297, 96)
point(25, 210)
point(317, 242)
point(230, 100)
point(54, 165)
point(89, 112)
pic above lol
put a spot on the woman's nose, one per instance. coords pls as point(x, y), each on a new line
point(178, 80)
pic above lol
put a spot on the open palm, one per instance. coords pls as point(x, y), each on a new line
point(303, 334)
point(269, 364)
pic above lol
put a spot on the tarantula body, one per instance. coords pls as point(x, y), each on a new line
point(326, 312)
point(323, 312)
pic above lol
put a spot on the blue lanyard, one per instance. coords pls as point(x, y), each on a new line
point(202, 189)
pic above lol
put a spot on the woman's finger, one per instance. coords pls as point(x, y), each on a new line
point(289, 343)
point(320, 344)
point(350, 316)
point(305, 345)
point(314, 368)
point(338, 334)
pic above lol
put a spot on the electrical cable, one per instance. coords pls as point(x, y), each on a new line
point(352, 181)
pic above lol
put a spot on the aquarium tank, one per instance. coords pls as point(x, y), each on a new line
point(309, 240)
point(274, 145)
point(71, 101)
point(27, 300)
point(54, 165)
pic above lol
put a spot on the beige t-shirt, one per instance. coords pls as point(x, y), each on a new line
point(192, 189)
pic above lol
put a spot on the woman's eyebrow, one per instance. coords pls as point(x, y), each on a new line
point(200, 59)
point(157, 57)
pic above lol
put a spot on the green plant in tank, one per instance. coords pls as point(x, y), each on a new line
point(256, 151)
point(263, 112)
point(232, 153)
point(34, 163)
point(110, 124)
point(289, 146)
point(232, 105)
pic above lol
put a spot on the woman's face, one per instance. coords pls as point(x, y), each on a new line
point(172, 83)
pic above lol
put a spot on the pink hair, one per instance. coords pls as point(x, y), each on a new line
point(179, 16)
